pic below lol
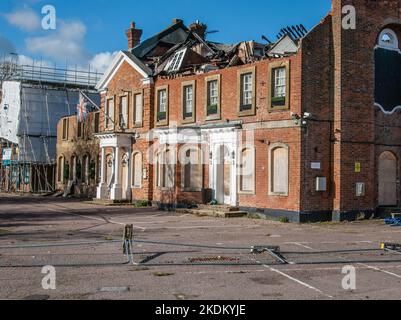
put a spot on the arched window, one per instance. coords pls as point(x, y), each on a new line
point(73, 171)
point(388, 72)
point(165, 169)
point(137, 170)
point(279, 167)
point(247, 170)
point(85, 169)
point(192, 170)
point(388, 39)
point(169, 169)
point(60, 169)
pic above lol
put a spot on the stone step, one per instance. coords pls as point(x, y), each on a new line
point(218, 208)
point(110, 202)
point(213, 213)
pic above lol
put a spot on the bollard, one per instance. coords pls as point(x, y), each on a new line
point(127, 241)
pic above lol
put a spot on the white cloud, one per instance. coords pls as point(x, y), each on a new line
point(25, 19)
point(101, 61)
point(65, 43)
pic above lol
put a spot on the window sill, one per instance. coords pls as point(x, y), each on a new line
point(247, 193)
point(136, 187)
point(247, 112)
point(192, 190)
point(274, 194)
point(162, 123)
point(188, 120)
point(213, 117)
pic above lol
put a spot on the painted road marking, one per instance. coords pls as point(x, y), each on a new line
point(370, 267)
point(93, 218)
point(294, 279)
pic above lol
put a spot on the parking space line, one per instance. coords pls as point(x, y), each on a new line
point(93, 218)
point(295, 280)
point(368, 266)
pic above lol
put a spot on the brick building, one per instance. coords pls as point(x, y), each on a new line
point(78, 151)
point(307, 127)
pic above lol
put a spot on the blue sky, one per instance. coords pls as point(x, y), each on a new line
point(91, 31)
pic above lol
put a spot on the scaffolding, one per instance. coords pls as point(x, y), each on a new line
point(33, 98)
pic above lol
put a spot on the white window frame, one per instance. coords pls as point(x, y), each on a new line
point(280, 83)
point(176, 61)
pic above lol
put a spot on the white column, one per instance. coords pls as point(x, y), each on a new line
point(103, 167)
point(129, 175)
point(116, 190)
point(102, 188)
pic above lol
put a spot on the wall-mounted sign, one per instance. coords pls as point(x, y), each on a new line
point(6, 156)
point(316, 165)
point(358, 167)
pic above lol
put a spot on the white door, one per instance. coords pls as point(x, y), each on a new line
point(223, 179)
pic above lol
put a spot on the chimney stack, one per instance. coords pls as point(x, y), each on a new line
point(134, 36)
point(199, 29)
point(176, 20)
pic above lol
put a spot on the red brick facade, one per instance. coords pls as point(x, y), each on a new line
point(332, 77)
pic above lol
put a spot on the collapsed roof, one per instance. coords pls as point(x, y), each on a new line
point(185, 50)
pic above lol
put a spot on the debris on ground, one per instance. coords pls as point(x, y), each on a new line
point(212, 259)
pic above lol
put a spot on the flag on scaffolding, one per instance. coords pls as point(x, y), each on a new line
point(82, 107)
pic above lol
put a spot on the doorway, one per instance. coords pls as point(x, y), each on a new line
point(223, 190)
point(387, 180)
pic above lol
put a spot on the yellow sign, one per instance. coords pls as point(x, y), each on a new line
point(357, 167)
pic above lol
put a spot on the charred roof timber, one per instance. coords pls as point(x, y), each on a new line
point(295, 32)
point(181, 50)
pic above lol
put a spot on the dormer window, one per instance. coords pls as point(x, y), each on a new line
point(176, 62)
point(388, 39)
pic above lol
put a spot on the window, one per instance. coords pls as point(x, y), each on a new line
point(387, 72)
point(188, 101)
point(138, 110)
point(123, 116)
point(137, 170)
point(80, 128)
point(213, 98)
point(247, 171)
point(246, 92)
point(388, 39)
point(65, 128)
point(279, 88)
point(192, 171)
point(60, 169)
point(279, 83)
point(162, 106)
point(279, 162)
point(85, 169)
point(165, 170)
point(109, 116)
point(96, 122)
point(176, 62)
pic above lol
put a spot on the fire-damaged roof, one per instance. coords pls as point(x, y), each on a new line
point(181, 50)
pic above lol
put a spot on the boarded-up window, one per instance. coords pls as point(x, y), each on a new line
point(192, 170)
point(96, 122)
point(124, 112)
point(279, 171)
point(138, 110)
point(169, 170)
point(247, 170)
point(109, 116)
point(85, 169)
point(65, 129)
point(137, 170)
point(60, 169)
